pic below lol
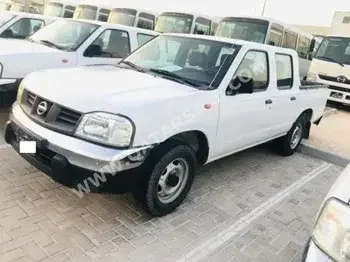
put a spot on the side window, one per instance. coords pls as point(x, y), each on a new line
point(110, 44)
point(146, 21)
point(275, 37)
point(284, 67)
point(289, 40)
point(69, 12)
point(303, 47)
point(252, 75)
point(202, 26)
point(23, 28)
point(103, 15)
point(143, 38)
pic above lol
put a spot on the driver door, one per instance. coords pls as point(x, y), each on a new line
point(110, 47)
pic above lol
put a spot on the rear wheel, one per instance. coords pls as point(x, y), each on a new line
point(169, 180)
point(288, 144)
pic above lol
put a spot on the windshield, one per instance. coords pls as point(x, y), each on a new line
point(53, 9)
point(85, 12)
point(243, 29)
point(4, 18)
point(63, 34)
point(124, 17)
point(203, 62)
point(176, 23)
point(335, 49)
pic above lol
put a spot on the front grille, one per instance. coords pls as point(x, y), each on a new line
point(332, 79)
point(343, 89)
point(49, 114)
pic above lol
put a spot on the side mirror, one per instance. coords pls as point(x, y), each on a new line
point(240, 85)
point(312, 45)
point(93, 50)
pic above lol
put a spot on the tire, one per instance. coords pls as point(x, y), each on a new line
point(151, 191)
point(287, 145)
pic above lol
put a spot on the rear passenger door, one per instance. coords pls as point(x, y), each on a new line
point(286, 95)
point(109, 47)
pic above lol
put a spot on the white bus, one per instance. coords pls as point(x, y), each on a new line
point(271, 32)
point(91, 11)
point(60, 8)
point(174, 22)
point(133, 17)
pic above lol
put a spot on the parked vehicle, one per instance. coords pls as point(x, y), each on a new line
point(153, 118)
point(330, 240)
point(331, 66)
point(133, 17)
point(65, 43)
point(20, 25)
point(172, 22)
point(271, 32)
point(90, 11)
point(60, 8)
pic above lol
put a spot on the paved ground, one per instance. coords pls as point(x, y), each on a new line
point(256, 204)
point(333, 133)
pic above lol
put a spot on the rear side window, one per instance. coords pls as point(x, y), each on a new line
point(284, 67)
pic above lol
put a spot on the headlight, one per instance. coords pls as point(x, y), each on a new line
point(332, 230)
point(105, 128)
point(20, 92)
point(311, 77)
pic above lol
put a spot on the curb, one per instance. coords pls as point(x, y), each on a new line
point(330, 112)
point(325, 155)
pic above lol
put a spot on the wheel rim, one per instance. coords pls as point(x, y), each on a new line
point(172, 181)
point(296, 136)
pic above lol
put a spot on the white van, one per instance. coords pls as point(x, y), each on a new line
point(331, 66)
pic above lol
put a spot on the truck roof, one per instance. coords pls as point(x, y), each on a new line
point(237, 42)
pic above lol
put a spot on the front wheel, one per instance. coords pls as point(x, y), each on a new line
point(288, 144)
point(169, 180)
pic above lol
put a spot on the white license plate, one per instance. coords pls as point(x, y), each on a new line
point(27, 147)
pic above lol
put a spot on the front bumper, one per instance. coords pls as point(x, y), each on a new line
point(69, 160)
point(8, 91)
point(313, 254)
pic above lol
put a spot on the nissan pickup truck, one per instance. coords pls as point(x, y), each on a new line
point(178, 102)
point(65, 43)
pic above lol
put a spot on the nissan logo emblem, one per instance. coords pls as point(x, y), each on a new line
point(42, 108)
point(341, 79)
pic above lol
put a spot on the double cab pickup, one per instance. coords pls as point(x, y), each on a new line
point(177, 102)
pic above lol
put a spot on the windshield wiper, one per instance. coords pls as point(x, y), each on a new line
point(50, 44)
point(331, 60)
point(177, 78)
point(132, 65)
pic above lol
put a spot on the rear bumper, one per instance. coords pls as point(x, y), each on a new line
point(71, 161)
point(313, 254)
point(8, 91)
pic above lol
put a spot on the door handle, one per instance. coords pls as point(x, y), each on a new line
point(268, 101)
point(293, 98)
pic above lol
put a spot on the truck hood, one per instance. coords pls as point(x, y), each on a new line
point(13, 46)
point(103, 88)
point(335, 70)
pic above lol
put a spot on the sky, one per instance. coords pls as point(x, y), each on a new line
point(307, 12)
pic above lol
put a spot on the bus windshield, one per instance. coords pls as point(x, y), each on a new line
point(4, 18)
point(174, 23)
point(335, 49)
point(85, 12)
point(53, 9)
point(123, 16)
point(253, 30)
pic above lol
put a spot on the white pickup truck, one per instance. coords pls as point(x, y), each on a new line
point(150, 120)
point(65, 43)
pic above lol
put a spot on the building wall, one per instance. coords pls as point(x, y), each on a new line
point(341, 24)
